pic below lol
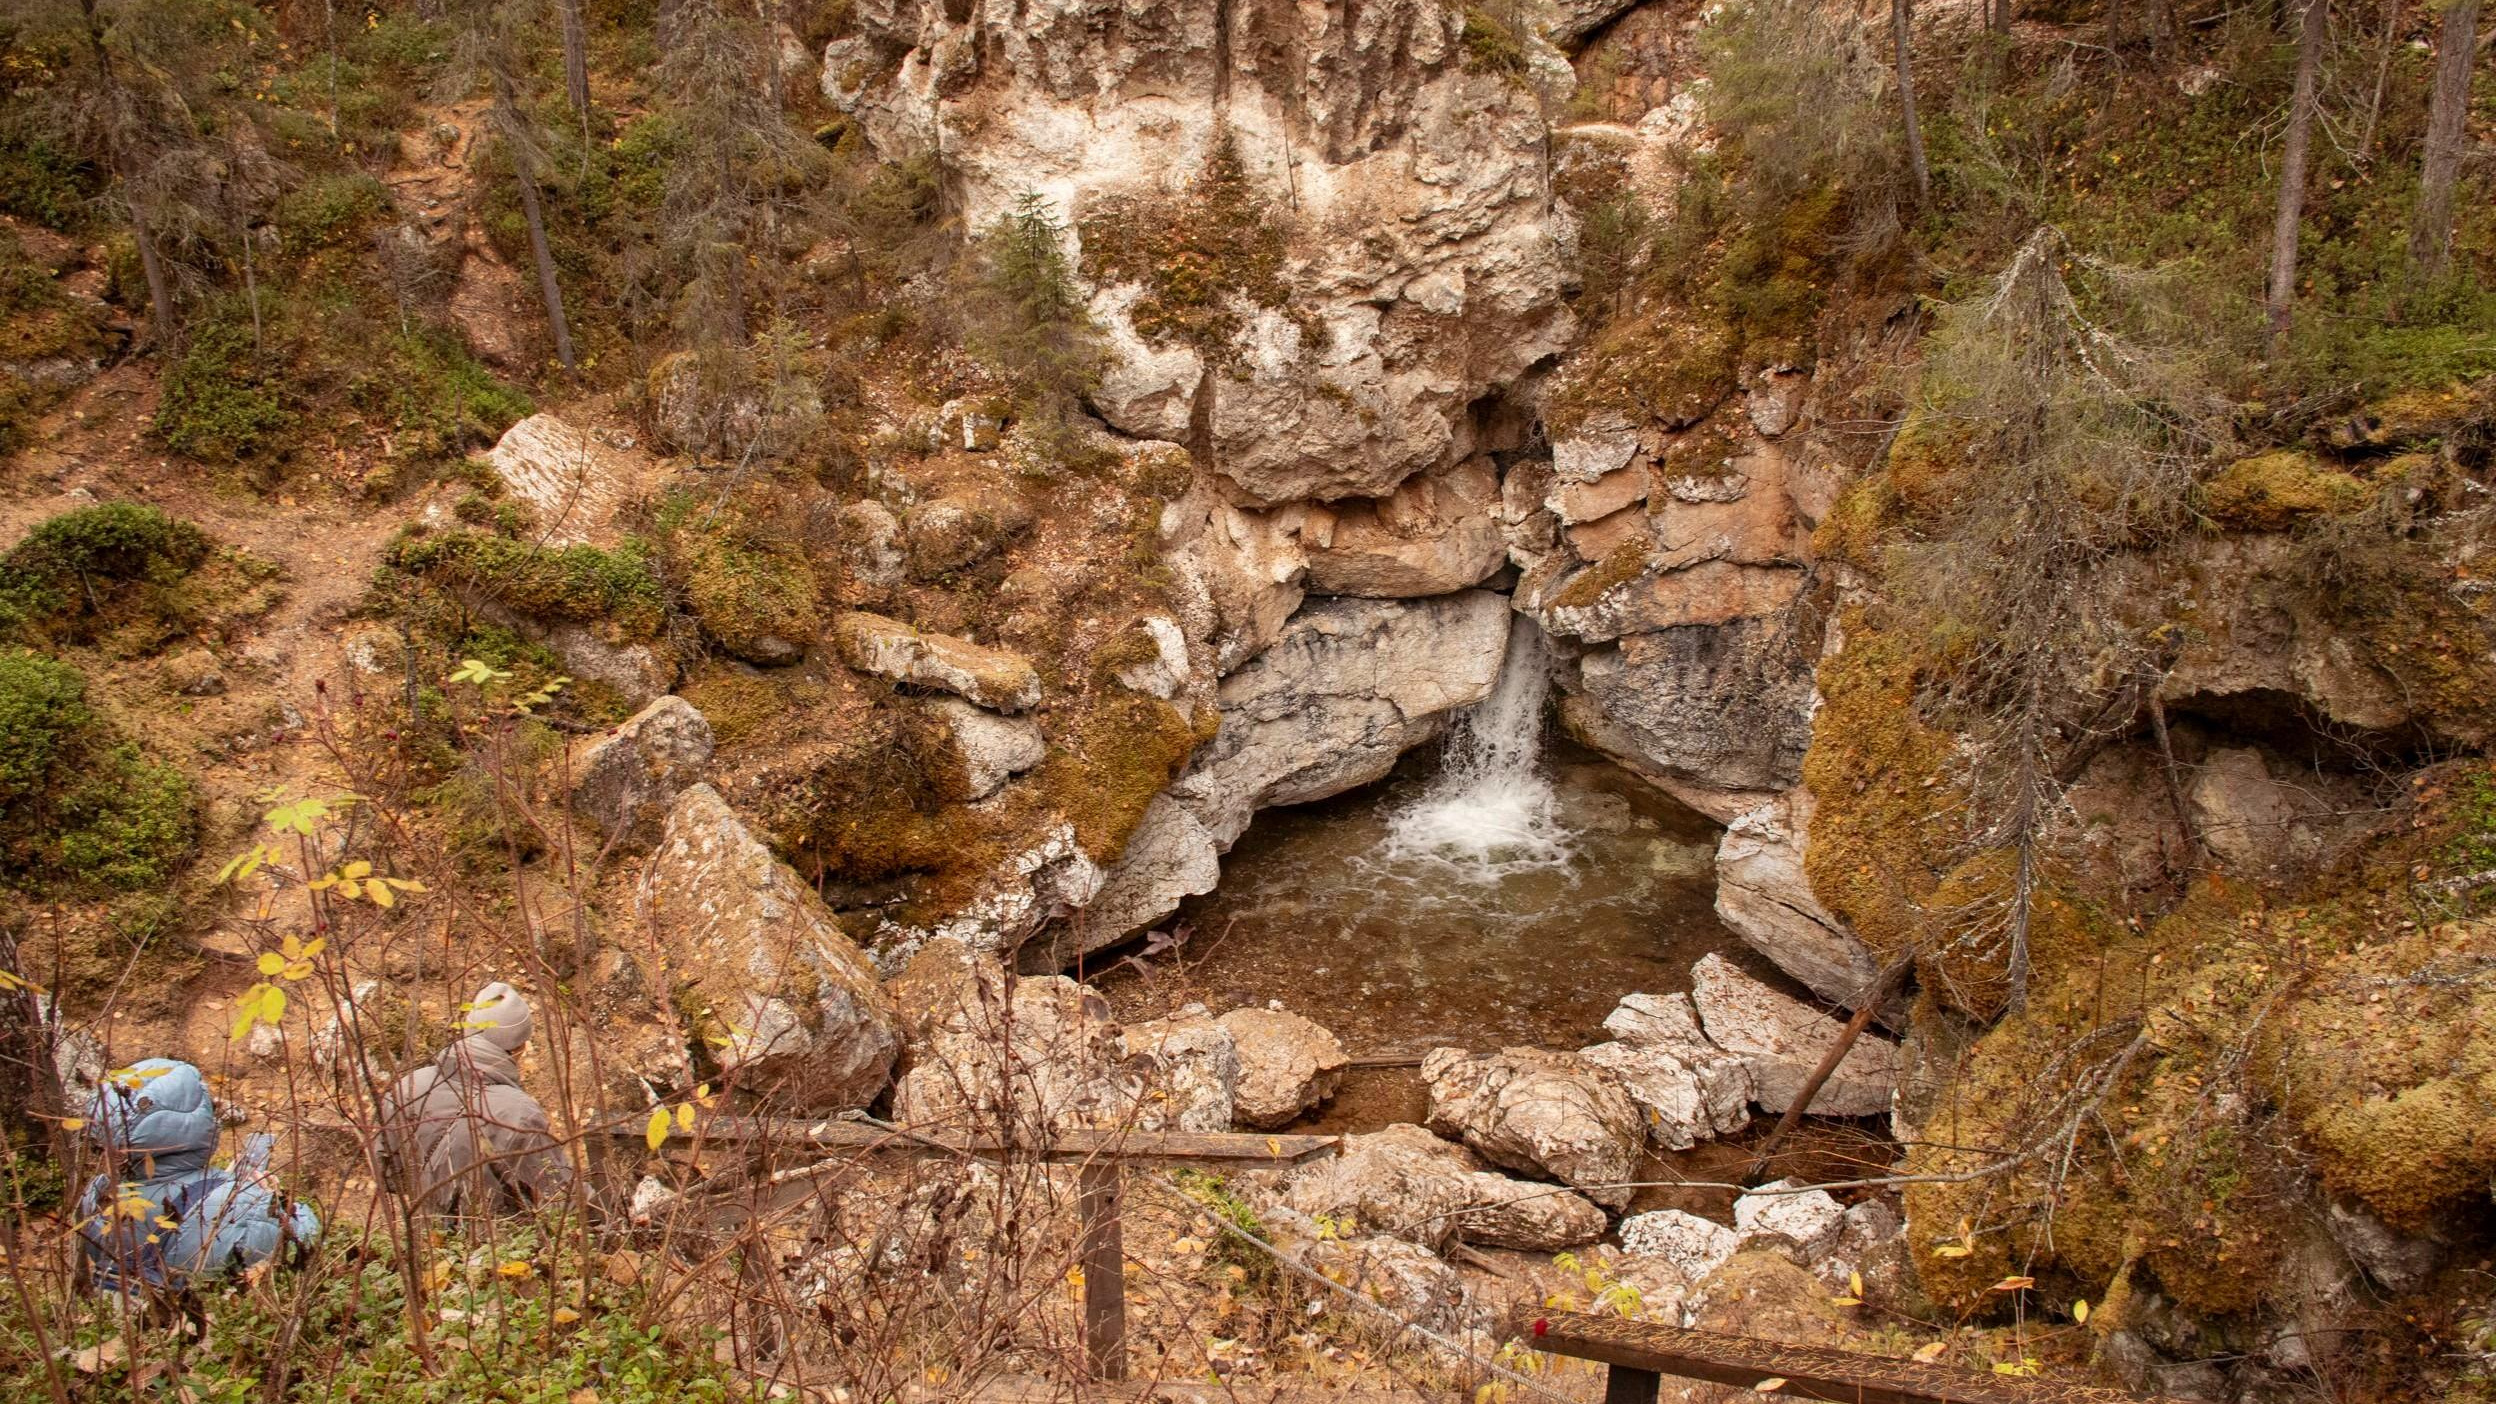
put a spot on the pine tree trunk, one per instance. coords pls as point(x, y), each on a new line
point(1901, 24)
point(162, 328)
point(575, 56)
point(523, 171)
point(2448, 112)
point(2301, 106)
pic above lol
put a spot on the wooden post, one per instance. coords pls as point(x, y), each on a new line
point(1627, 1384)
point(1104, 1272)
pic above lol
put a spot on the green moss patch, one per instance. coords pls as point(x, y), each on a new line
point(571, 584)
point(2275, 491)
point(82, 810)
point(1201, 256)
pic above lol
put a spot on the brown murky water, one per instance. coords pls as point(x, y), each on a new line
point(1399, 949)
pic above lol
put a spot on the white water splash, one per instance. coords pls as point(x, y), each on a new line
point(1491, 813)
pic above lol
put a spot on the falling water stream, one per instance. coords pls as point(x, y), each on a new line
point(1497, 889)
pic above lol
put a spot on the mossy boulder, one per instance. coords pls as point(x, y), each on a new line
point(96, 568)
point(570, 584)
point(754, 596)
point(2275, 491)
point(82, 809)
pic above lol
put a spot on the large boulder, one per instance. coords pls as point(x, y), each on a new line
point(1287, 1065)
point(1694, 1246)
point(1252, 135)
point(787, 1003)
point(1194, 1082)
point(1406, 1182)
point(1541, 1113)
point(1011, 1056)
point(1809, 1218)
point(1764, 897)
point(573, 485)
point(629, 779)
point(888, 648)
point(1783, 1040)
point(1688, 1089)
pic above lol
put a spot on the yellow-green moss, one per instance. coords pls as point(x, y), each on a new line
point(1123, 749)
point(1882, 783)
point(2275, 491)
point(754, 597)
point(1198, 254)
point(1619, 566)
point(1651, 365)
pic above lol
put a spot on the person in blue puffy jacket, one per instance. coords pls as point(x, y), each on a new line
point(160, 1217)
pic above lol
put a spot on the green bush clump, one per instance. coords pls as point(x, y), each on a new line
point(97, 566)
point(440, 400)
point(577, 584)
point(81, 808)
point(327, 209)
point(219, 406)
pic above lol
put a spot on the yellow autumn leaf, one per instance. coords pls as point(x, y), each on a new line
point(1930, 1351)
point(514, 1270)
point(358, 868)
point(1770, 1385)
point(565, 1316)
point(379, 891)
point(684, 1117)
point(271, 962)
point(656, 1133)
point(297, 970)
point(1854, 1283)
point(2014, 1284)
point(1952, 1250)
point(73, 1123)
point(312, 948)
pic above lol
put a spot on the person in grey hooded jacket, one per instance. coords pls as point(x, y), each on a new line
point(460, 1134)
point(161, 1218)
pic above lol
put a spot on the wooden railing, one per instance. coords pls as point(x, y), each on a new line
point(1640, 1354)
point(1102, 1156)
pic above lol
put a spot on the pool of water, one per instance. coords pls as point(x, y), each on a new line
point(1454, 903)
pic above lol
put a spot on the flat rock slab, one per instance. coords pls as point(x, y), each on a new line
point(1783, 1040)
point(888, 648)
point(1287, 1064)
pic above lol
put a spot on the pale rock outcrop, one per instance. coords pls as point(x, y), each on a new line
point(629, 779)
point(1434, 534)
point(993, 748)
point(1710, 592)
point(1349, 686)
point(1170, 856)
point(1764, 897)
point(574, 485)
point(888, 648)
point(1810, 1218)
point(1287, 1065)
point(1405, 1182)
point(1783, 1040)
point(1616, 491)
point(1694, 1246)
point(871, 544)
point(1166, 670)
point(638, 672)
point(2396, 1261)
point(1593, 450)
point(1688, 1089)
point(1539, 1112)
point(1374, 122)
point(1195, 1080)
point(2264, 633)
point(788, 1001)
point(1239, 573)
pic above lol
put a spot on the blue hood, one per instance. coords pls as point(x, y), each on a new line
point(157, 1108)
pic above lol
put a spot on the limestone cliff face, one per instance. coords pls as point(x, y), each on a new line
point(1409, 249)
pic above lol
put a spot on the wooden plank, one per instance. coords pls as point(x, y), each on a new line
point(1809, 1372)
point(1104, 1261)
point(1072, 1147)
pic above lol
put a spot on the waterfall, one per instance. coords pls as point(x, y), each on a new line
point(1491, 812)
